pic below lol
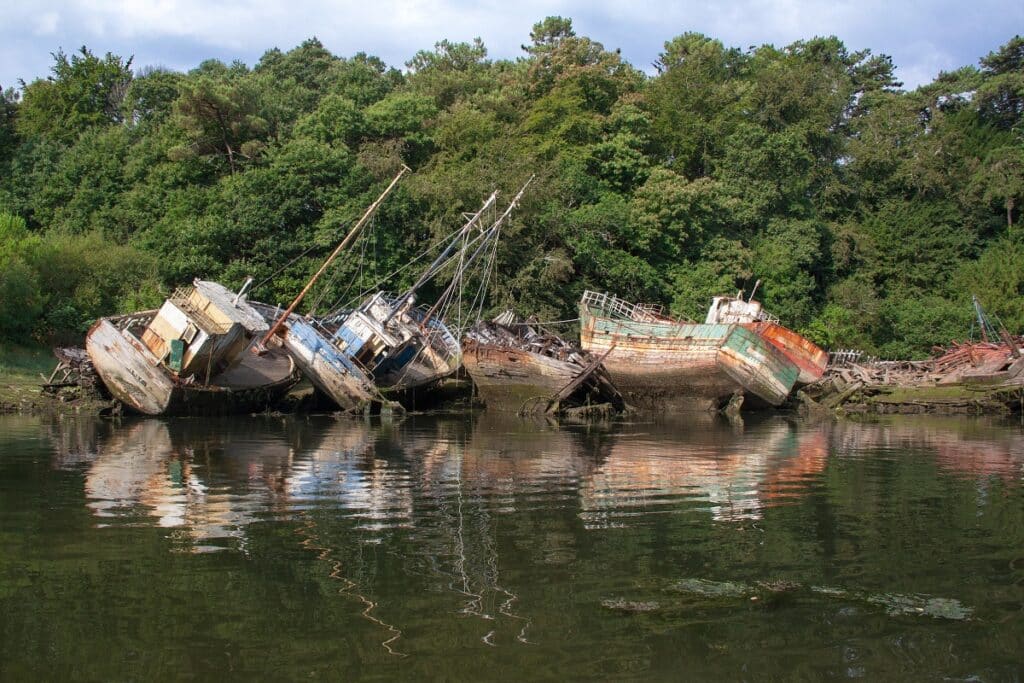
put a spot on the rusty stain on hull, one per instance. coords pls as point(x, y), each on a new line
point(520, 366)
point(660, 363)
point(513, 379)
point(805, 354)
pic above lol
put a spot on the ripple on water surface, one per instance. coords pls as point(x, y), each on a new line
point(420, 547)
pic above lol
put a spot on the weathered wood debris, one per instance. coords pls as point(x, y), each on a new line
point(520, 366)
point(962, 377)
point(74, 372)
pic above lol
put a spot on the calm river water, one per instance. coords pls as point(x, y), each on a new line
point(472, 547)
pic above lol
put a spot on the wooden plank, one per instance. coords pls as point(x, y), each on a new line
point(567, 390)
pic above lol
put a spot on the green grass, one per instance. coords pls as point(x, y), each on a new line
point(937, 394)
point(23, 362)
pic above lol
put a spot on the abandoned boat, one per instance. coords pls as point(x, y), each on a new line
point(520, 367)
point(662, 363)
point(188, 357)
point(387, 348)
point(397, 346)
point(415, 350)
point(805, 354)
point(328, 366)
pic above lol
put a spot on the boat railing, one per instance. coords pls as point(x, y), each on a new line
point(133, 322)
point(613, 305)
point(181, 299)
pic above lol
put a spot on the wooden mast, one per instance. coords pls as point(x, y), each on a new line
point(344, 243)
point(489, 232)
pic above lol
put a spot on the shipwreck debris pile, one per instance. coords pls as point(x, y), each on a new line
point(964, 377)
point(519, 366)
point(509, 332)
point(74, 377)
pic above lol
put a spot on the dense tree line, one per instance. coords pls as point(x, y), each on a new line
point(870, 213)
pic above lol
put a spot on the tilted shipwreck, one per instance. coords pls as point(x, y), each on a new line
point(664, 363)
point(805, 354)
point(189, 357)
point(387, 348)
point(521, 367)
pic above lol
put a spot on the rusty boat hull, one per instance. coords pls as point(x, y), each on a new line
point(809, 358)
point(136, 377)
point(515, 380)
point(661, 364)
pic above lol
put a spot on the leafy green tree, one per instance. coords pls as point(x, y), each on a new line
point(788, 258)
point(8, 129)
point(452, 71)
point(909, 327)
point(219, 120)
point(151, 95)
point(21, 300)
point(336, 120)
point(560, 57)
point(1000, 99)
point(913, 247)
point(1001, 179)
point(84, 91)
point(723, 267)
point(694, 101)
point(997, 278)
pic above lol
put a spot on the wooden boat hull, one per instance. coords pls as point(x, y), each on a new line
point(810, 359)
point(757, 366)
point(667, 365)
point(136, 378)
point(329, 370)
point(513, 380)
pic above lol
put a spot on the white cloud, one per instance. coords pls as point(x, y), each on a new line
point(46, 23)
point(920, 35)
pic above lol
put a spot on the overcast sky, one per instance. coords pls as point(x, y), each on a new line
point(922, 37)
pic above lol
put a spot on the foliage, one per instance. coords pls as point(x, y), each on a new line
point(868, 213)
point(84, 91)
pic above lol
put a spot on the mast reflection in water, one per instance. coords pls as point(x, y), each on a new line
point(433, 547)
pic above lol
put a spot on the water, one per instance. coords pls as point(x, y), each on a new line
point(472, 547)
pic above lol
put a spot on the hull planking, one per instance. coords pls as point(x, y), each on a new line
point(805, 354)
point(663, 364)
point(137, 378)
point(330, 370)
point(513, 379)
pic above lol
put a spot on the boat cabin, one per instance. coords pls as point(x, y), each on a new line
point(726, 310)
point(362, 335)
point(202, 329)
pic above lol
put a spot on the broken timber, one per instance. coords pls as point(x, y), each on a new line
point(970, 377)
point(523, 368)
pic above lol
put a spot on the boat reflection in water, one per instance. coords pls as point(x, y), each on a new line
point(734, 477)
point(210, 479)
point(966, 448)
point(458, 516)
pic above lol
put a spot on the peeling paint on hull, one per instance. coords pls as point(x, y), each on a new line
point(666, 365)
point(328, 369)
point(810, 359)
point(134, 376)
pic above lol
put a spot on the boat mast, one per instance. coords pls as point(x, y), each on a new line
point(491, 231)
point(433, 267)
point(344, 243)
point(983, 324)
